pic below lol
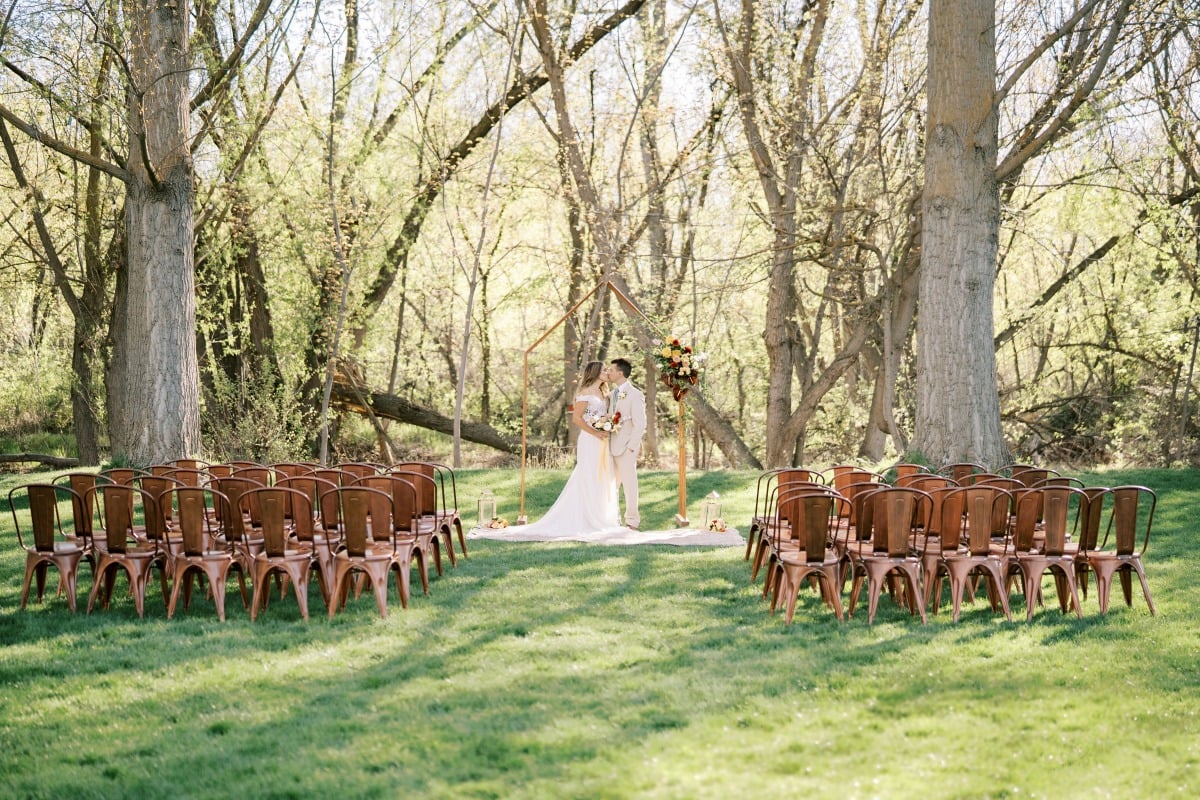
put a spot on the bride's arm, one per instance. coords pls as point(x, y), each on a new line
point(577, 410)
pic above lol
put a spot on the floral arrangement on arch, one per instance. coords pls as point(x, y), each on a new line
point(679, 366)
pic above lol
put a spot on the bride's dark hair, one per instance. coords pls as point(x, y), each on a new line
point(590, 374)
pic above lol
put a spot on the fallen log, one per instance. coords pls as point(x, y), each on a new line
point(349, 397)
point(58, 462)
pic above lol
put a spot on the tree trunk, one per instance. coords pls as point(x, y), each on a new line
point(155, 377)
point(958, 407)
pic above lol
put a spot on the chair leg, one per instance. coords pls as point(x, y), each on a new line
point(1141, 573)
point(448, 537)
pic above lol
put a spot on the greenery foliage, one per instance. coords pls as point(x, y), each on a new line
point(574, 671)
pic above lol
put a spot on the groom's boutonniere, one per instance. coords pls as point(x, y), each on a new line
point(620, 395)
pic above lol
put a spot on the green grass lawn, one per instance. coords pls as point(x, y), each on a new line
point(577, 671)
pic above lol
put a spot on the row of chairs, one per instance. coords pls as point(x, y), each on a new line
point(349, 526)
point(912, 535)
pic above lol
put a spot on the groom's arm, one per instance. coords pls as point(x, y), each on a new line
point(639, 414)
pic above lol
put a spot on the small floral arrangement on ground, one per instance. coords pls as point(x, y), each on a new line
point(677, 362)
point(718, 525)
point(603, 422)
point(498, 522)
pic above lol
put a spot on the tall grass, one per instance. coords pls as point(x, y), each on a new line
point(568, 670)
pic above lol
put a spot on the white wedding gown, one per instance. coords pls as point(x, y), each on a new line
point(587, 506)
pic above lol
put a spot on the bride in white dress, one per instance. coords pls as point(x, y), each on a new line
point(587, 506)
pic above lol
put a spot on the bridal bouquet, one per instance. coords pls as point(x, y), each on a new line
point(603, 422)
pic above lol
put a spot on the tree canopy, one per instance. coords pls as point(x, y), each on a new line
point(276, 218)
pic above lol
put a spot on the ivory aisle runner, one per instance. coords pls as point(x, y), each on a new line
point(680, 536)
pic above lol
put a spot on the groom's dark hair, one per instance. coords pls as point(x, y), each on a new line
point(623, 365)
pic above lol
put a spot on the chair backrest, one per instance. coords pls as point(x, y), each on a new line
point(292, 469)
point(1057, 524)
point(81, 502)
point(946, 517)
point(361, 469)
point(354, 511)
point(1009, 469)
point(925, 481)
point(44, 519)
point(790, 507)
point(123, 476)
point(810, 521)
point(189, 463)
point(985, 515)
point(338, 477)
point(220, 470)
point(406, 500)
point(193, 505)
point(275, 503)
point(792, 475)
point(187, 476)
point(115, 503)
point(445, 474)
point(159, 487)
point(892, 511)
point(1007, 484)
point(1057, 480)
point(1091, 514)
point(962, 471)
point(904, 470)
point(1123, 521)
point(777, 508)
point(895, 511)
point(386, 516)
point(862, 511)
point(1031, 476)
point(264, 476)
point(422, 476)
point(762, 491)
point(324, 504)
point(233, 525)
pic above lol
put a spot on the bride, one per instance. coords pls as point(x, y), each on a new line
point(588, 502)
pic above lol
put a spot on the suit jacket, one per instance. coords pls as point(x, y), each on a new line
point(632, 408)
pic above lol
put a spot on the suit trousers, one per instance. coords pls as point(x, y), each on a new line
point(626, 465)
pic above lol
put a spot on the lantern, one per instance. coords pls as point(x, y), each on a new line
point(487, 508)
point(710, 509)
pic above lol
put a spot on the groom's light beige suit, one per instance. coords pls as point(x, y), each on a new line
point(626, 443)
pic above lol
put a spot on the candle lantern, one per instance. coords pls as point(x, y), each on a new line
point(710, 509)
point(487, 508)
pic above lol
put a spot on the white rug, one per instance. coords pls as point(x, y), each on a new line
point(677, 536)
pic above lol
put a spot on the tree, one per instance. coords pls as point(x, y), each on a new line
point(153, 375)
point(958, 407)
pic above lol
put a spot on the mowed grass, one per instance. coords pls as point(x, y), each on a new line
point(576, 671)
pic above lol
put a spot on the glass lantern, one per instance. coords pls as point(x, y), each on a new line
point(487, 508)
point(710, 509)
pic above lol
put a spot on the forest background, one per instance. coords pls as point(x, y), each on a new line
point(393, 200)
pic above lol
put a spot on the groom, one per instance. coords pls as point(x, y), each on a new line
point(627, 400)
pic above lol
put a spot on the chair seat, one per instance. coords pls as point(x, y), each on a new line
point(376, 553)
point(61, 548)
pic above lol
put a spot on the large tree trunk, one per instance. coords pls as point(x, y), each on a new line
point(958, 408)
point(155, 378)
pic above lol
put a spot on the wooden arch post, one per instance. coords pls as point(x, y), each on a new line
point(632, 308)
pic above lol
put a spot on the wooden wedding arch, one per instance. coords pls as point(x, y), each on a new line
point(632, 309)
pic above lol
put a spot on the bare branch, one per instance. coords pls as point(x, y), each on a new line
point(62, 147)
